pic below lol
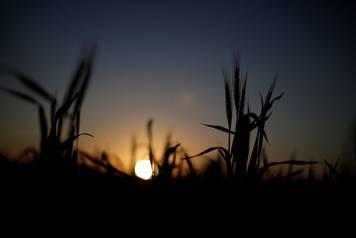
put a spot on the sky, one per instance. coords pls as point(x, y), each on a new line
point(164, 60)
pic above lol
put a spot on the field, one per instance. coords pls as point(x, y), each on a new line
point(241, 167)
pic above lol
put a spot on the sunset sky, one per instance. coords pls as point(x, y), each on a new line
point(163, 60)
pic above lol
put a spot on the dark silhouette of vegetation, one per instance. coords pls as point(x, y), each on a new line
point(59, 154)
point(236, 156)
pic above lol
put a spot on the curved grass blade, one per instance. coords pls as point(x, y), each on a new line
point(290, 162)
point(33, 86)
point(270, 91)
point(171, 150)
point(21, 95)
point(221, 150)
point(28, 82)
point(220, 128)
point(64, 108)
point(103, 164)
point(68, 142)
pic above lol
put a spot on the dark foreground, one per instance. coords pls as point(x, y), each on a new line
point(181, 207)
point(136, 192)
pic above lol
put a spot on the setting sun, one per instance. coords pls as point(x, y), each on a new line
point(143, 169)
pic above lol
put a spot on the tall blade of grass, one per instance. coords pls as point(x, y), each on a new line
point(261, 133)
point(67, 153)
point(77, 122)
point(354, 138)
point(77, 76)
point(43, 128)
point(237, 88)
point(243, 98)
point(55, 132)
point(220, 128)
point(82, 90)
point(261, 101)
point(64, 108)
point(78, 85)
point(53, 109)
point(270, 90)
point(241, 146)
point(269, 101)
point(87, 76)
point(253, 163)
point(228, 106)
point(228, 101)
point(150, 141)
point(133, 155)
point(73, 89)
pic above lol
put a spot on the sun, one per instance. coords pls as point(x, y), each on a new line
point(143, 169)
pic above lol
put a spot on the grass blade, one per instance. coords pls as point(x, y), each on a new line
point(228, 101)
point(43, 127)
point(237, 88)
point(220, 128)
point(223, 152)
point(64, 108)
point(150, 141)
point(87, 76)
point(21, 95)
point(32, 85)
point(171, 150)
point(68, 142)
point(75, 80)
point(290, 162)
point(243, 98)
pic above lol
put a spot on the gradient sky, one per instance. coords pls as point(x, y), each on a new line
point(163, 60)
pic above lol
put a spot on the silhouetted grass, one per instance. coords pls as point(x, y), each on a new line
point(245, 161)
point(57, 155)
point(240, 164)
